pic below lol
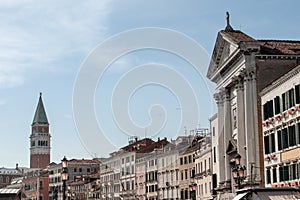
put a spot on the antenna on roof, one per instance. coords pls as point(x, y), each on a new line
point(228, 27)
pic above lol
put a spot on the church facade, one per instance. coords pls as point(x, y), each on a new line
point(241, 67)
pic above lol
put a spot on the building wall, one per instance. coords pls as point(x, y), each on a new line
point(203, 169)
point(7, 174)
point(281, 130)
point(39, 160)
point(140, 169)
point(110, 173)
point(151, 176)
point(214, 152)
point(76, 168)
point(36, 184)
point(127, 177)
point(168, 174)
point(186, 170)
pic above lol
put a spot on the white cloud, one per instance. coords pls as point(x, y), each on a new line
point(42, 34)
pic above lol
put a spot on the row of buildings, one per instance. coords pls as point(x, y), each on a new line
point(251, 149)
point(147, 169)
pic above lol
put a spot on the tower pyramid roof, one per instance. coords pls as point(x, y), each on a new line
point(40, 116)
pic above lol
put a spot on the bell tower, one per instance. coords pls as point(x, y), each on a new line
point(40, 138)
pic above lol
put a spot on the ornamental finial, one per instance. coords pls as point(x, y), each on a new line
point(228, 27)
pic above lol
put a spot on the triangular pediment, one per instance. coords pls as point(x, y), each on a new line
point(231, 147)
point(227, 44)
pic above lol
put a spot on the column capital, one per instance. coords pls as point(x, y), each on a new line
point(225, 94)
point(218, 98)
point(238, 82)
point(249, 74)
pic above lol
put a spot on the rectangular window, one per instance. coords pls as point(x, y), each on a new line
point(291, 98)
point(286, 173)
point(298, 171)
point(281, 174)
point(293, 171)
point(277, 105)
point(265, 108)
point(132, 185)
point(284, 137)
point(215, 156)
point(274, 174)
point(283, 102)
point(268, 176)
point(265, 111)
point(297, 133)
point(193, 173)
point(279, 139)
point(292, 135)
point(267, 146)
point(271, 110)
point(272, 142)
point(181, 161)
point(297, 94)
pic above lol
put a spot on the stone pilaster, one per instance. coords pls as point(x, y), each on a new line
point(256, 169)
point(220, 147)
point(241, 139)
point(248, 74)
point(227, 132)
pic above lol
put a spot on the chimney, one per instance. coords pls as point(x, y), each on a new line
point(158, 139)
point(17, 166)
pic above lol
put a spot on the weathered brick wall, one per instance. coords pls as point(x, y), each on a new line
point(39, 160)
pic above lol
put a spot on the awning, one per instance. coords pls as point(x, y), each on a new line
point(282, 197)
point(239, 196)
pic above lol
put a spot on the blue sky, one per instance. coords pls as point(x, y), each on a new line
point(43, 45)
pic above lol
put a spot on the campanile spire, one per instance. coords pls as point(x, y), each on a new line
point(40, 138)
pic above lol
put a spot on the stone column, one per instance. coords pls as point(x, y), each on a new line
point(249, 119)
point(227, 132)
point(220, 147)
point(256, 169)
point(240, 115)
